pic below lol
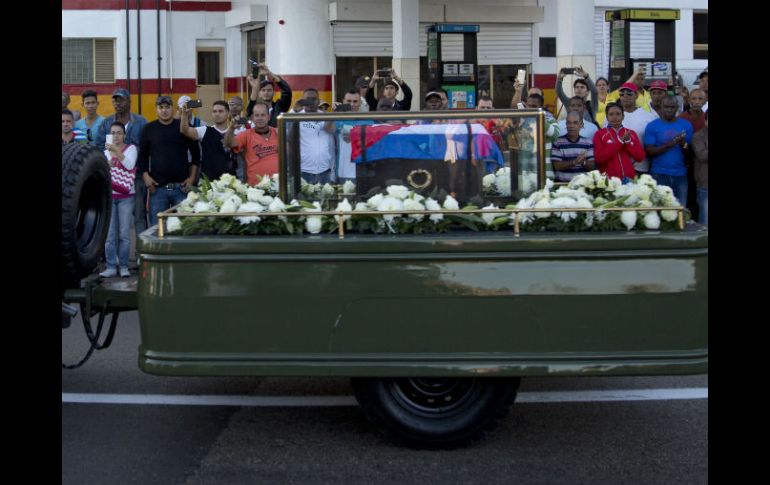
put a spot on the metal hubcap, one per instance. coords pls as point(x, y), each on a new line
point(434, 397)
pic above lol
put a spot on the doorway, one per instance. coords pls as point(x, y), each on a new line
point(209, 79)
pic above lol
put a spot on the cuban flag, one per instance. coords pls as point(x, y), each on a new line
point(424, 142)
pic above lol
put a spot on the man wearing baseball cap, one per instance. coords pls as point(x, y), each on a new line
point(264, 91)
point(658, 92)
point(362, 87)
point(432, 101)
point(134, 123)
point(642, 95)
point(163, 163)
point(392, 85)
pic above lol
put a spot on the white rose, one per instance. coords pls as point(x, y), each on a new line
point(651, 220)
point(647, 180)
point(201, 206)
point(192, 198)
point(343, 206)
point(628, 218)
point(253, 195)
point(390, 204)
point(328, 191)
point(488, 218)
point(361, 206)
point(398, 191)
point(265, 200)
point(249, 207)
point(565, 203)
point(417, 197)
point(503, 172)
point(413, 205)
point(503, 183)
point(314, 224)
point(543, 203)
point(375, 201)
point(488, 180)
point(451, 204)
point(264, 182)
point(548, 184)
point(433, 205)
point(173, 224)
point(669, 216)
point(348, 187)
point(226, 179)
point(277, 205)
point(230, 204)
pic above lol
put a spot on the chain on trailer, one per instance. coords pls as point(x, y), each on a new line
point(93, 337)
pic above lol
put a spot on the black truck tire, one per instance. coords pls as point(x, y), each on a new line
point(86, 198)
point(435, 412)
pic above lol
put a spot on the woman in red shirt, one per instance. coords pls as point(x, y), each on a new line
point(616, 147)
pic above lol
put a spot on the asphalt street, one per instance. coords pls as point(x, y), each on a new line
point(634, 441)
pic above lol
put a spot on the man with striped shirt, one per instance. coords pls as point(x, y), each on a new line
point(572, 154)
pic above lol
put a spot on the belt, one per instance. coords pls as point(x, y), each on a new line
point(172, 186)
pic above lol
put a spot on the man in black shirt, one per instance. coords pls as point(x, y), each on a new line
point(215, 158)
point(265, 91)
point(163, 160)
point(392, 85)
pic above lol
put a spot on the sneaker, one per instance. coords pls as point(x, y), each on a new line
point(109, 273)
point(124, 272)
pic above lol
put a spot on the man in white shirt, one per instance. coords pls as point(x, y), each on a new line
point(576, 103)
point(316, 146)
point(634, 118)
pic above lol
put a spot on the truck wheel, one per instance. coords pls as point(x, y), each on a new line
point(86, 198)
point(435, 412)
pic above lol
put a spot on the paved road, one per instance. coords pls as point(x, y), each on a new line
point(628, 442)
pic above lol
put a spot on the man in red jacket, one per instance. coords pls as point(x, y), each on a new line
point(616, 147)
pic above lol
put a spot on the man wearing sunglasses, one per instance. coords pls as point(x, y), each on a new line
point(634, 118)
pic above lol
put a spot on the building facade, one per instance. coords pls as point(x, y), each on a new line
point(202, 48)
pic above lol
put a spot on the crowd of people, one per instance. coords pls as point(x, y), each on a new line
point(638, 128)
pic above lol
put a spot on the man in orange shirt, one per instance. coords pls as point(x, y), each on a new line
point(259, 145)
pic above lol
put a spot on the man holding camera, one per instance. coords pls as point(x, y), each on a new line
point(215, 157)
point(264, 92)
point(163, 163)
point(345, 169)
point(392, 86)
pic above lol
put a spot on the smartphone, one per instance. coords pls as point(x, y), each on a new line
point(194, 103)
point(342, 107)
point(383, 72)
point(521, 76)
point(108, 140)
point(568, 70)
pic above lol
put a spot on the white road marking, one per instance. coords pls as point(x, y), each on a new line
point(330, 401)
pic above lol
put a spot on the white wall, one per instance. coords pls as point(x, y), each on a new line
point(303, 44)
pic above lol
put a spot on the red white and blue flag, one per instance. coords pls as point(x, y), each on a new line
point(424, 142)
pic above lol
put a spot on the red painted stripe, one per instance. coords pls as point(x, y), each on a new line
point(300, 82)
point(149, 86)
point(176, 6)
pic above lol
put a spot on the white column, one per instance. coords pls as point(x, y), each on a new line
point(302, 44)
point(406, 55)
point(575, 39)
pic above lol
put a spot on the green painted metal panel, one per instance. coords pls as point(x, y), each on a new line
point(456, 304)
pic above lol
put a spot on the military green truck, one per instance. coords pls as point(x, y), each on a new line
point(435, 330)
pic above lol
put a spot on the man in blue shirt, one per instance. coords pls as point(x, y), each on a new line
point(92, 121)
point(665, 141)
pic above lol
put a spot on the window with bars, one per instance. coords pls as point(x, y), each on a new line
point(87, 61)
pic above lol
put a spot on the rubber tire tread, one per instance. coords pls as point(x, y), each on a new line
point(382, 410)
point(79, 163)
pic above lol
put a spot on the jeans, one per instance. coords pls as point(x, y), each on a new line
point(317, 178)
point(703, 206)
point(119, 235)
point(162, 199)
point(677, 183)
point(140, 210)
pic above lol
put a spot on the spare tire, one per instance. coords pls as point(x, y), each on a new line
point(86, 199)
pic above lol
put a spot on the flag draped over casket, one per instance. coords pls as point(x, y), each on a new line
point(424, 142)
